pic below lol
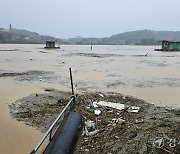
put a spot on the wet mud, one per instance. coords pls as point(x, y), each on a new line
point(151, 130)
point(33, 75)
point(11, 74)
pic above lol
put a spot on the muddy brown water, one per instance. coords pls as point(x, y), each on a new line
point(123, 69)
point(15, 137)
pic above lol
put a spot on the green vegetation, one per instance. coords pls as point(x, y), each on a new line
point(140, 37)
point(17, 36)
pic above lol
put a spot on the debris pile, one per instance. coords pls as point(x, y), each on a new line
point(113, 123)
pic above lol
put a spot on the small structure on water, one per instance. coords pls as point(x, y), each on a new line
point(169, 46)
point(51, 45)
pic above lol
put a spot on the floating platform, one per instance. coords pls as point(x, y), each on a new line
point(51, 45)
point(167, 50)
point(169, 46)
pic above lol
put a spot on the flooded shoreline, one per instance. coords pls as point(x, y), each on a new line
point(27, 69)
point(133, 70)
point(15, 137)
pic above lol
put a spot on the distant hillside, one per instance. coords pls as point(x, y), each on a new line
point(140, 37)
point(23, 37)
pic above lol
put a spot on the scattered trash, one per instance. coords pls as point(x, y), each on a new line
point(139, 121)
point(92, 104)
point(168, 108)
point(172, 143)
point(89, 123)
point(101, 95)
point(158, 143)
point(116, 137)
point(119, 121)
point(97, 112)
point(111, 104)
point(91, 133)
point(124, 97)
point(107, 132)
point(95, 104)
point(40, 79)
point(133, 109)
point(86, 150)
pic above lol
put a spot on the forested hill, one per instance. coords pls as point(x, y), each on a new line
point(140, 37)
point(23, 37)
point(145, 37)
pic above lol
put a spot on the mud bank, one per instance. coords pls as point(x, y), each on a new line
point(152, 129)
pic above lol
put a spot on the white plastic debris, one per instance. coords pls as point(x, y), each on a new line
point(139, 121)
point(89, 123)
point(95, 104)
point(40, 79)
point(92, 133)
point(124, 97)
point(101, 95)
point(92, 104)
point(97, 112)
point(112, 105)
point(133, 109)
point(158, 143)
point(118, 121)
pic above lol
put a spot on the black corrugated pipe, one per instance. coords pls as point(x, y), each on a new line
point(65, 137)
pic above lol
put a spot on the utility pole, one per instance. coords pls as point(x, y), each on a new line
point(91, 46)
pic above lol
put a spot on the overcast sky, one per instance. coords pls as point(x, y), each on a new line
point(89, 18)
